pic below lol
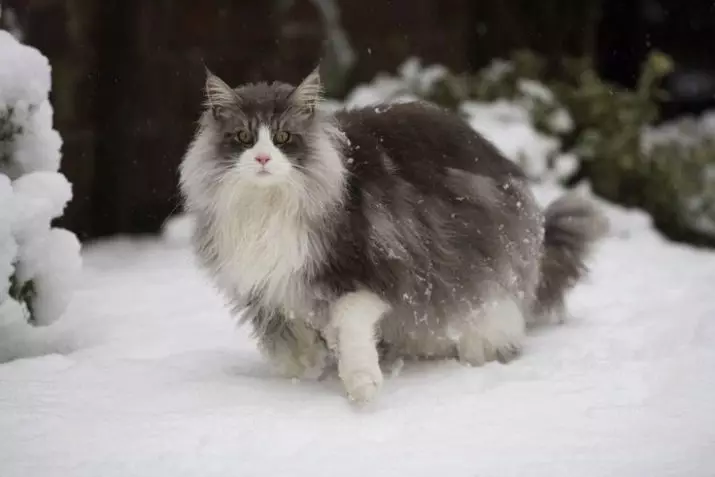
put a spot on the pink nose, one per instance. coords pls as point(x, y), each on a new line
point(263, 159)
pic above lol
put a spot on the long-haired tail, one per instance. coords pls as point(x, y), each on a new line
point(573, 224)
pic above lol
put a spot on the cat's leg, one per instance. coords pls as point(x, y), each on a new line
point(295, 350)
point(495, 332)
point(353, 321)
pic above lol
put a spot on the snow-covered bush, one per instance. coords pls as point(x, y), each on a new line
point(685, 149)
point(670, 178)
point(38, 263)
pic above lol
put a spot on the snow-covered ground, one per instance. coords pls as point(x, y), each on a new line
point(154, 380)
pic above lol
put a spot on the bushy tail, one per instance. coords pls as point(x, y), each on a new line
point(573, 223)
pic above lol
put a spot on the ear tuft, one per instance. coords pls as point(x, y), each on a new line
point(219, 95)
point(310, 91)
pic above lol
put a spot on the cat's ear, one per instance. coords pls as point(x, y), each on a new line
point(309, 92)
point(219, 95)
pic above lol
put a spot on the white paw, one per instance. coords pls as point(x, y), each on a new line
point(362, 386)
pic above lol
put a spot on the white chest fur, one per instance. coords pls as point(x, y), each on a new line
point(263, 242)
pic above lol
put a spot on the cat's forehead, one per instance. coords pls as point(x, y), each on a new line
point(264, 98)
point(264, 103)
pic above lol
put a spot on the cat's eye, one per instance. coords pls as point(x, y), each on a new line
point(244, 137)
point(281, 137)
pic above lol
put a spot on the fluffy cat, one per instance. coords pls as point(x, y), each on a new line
point(394, 230)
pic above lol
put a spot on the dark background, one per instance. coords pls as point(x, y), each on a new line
point(127, 74)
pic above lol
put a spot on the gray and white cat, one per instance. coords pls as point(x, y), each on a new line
point(375, 232)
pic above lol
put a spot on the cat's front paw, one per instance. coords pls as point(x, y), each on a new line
point(362, 385)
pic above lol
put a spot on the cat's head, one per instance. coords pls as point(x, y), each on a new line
point(263, 130)
point(262, 135)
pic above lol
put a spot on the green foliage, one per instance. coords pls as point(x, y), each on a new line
point(8, 130)
point(678, 189)
point(24, 293)
point(610, 121)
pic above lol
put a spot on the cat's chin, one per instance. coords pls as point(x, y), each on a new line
point(268, 179)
